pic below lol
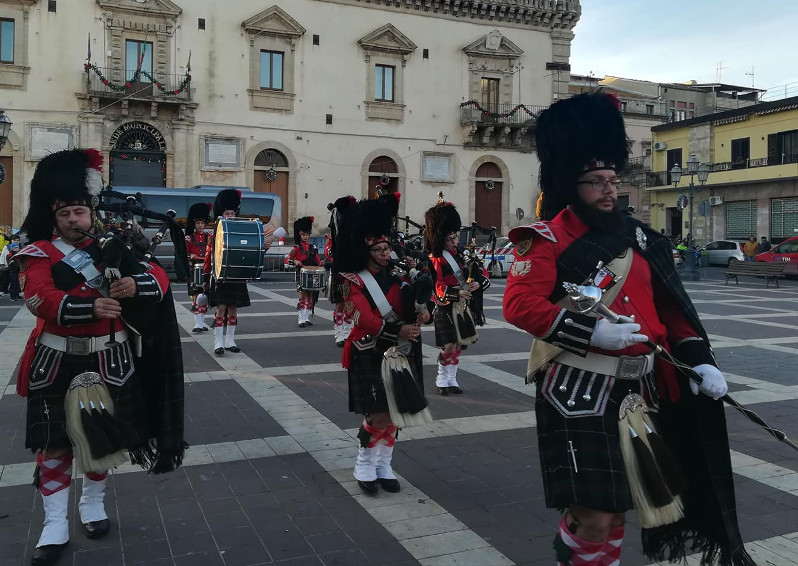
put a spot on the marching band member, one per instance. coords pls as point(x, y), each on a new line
point(197, 240)
point(139, 372)
point(227, 296)
point(456, 285)
point(338, 287)
point(304, 254)
point(592, 376)
point(386, 324)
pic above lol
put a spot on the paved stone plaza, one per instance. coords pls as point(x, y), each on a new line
point(268, 478)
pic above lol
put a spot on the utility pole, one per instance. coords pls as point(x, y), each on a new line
point(719, 71)
point(751, 74)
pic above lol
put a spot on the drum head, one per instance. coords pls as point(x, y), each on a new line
point(218, 248)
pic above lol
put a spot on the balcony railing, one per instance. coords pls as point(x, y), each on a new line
point(500, 114)
point(662, 178)
point(109, 82)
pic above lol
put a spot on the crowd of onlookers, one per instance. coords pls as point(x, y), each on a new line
point(9, 269)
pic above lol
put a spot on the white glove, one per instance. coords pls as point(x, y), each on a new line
point(609, 336)
point(714, 384)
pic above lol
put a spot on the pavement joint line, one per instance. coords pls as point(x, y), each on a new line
point(418, 547)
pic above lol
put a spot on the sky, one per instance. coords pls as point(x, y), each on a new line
point(682, 40)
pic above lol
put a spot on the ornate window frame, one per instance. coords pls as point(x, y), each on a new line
point(272, 30)
point(15, 75)
point(492, 56)
point(386, 46)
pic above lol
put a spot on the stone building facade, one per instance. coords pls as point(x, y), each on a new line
point(309, 99)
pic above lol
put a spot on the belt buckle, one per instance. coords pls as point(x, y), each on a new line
point(78, 346)
point(631, 367)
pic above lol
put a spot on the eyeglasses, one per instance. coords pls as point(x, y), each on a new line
point(452, 238)
point(601, 184)
point(380, 250)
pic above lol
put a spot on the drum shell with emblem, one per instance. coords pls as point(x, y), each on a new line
point(312, 278)
point(238, 249)
point(196, 277)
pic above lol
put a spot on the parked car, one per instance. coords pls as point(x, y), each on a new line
point(722, 252)
point(786, 252)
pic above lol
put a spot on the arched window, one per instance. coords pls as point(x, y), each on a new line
point(383, 176)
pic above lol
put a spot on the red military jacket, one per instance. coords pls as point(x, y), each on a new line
point(328, 250)
point(198, 244)
point(446, 284)
point(367, 319)
point(532, 278)
point(306, 253)
point(62, 300)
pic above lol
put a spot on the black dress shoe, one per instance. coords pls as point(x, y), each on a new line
point(443, 391)
point(219, 351)
point(340, 344)
point(234, 349)
point(196, 330)
point(368, 487)
point(308, 323)
point(455, 389)
point(205, 329)
point(391, 486)
point(302, 324)
point(47, 555)
point(97, 529)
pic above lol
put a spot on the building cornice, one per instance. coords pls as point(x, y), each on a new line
point(540, 15)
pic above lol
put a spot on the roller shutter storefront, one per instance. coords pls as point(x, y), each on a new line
point(740, 219)
point(783, 218)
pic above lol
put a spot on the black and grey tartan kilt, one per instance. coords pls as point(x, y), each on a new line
point(445, 332)
point(598, 480)
point(229, 293)
point(46, 418)
point(366, 391)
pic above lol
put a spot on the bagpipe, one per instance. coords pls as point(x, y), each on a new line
point(475, 268)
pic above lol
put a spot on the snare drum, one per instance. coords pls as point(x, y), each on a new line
point(312, 278)
point(238, 249)
point(196, 276)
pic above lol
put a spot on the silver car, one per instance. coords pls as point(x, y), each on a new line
point(722, 252)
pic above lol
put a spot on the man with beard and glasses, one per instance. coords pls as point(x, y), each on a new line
point(669, 457)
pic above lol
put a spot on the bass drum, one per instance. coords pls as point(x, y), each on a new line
point(238, 249)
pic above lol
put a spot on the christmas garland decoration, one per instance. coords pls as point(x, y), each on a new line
point(121, 87)
point(490, 114)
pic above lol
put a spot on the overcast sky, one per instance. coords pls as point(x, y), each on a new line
point(680, 40)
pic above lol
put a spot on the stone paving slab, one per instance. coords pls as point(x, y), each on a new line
point(273, 484)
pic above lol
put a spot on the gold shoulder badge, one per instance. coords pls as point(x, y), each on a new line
point(520, 267)
point(523, 246)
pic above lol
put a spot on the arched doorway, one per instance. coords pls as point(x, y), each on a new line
point(383, 176)
point(272, 176)
point(138, 156)
point(488, 197)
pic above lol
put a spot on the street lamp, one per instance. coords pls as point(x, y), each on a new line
point(5, 128)
point(700, 170)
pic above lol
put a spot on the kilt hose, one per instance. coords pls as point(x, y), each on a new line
point(580, 454)
point(46, 415)
point(229, 293)
point(445, 332)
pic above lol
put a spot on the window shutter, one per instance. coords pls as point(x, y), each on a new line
point(773, 149)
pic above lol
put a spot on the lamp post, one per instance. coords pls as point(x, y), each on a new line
point(5, 128)
point(700, 170)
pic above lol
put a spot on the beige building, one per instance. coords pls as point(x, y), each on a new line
point(309, 99)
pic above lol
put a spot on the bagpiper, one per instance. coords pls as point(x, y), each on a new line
point(102, 370)
point(459, 286)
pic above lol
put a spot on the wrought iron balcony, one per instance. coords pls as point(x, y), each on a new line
point(117, 83)
point(498, 114)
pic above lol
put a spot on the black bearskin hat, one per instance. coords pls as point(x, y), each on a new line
point(363, 225)
point(441, 220)
point(304, 224)
point(336, 210)
point(227, 199)
point(582, 133)
point(64, 178)
point(198, 211)
point(392, 200)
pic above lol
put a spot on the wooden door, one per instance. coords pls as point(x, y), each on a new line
point(488, 187)
point(279, 187)
point(7, 192)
